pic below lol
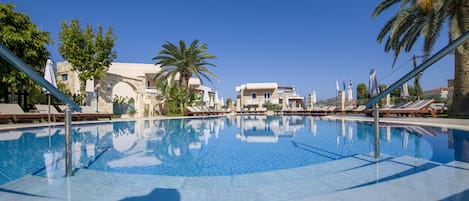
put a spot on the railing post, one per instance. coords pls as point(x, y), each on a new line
point(376, 124)
point(68, 142)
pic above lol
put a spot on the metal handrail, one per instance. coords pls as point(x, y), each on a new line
point(436, 57)
point(19, 64)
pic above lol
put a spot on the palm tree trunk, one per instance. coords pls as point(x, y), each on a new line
point(185, 76)
point(461, 74)
point(461, 84)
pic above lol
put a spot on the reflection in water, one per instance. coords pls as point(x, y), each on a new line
point(51, 164)
point(267, 129)
point(461, 145)
point(350, 134)
point(405, 139)
point(388, 133)
point(212, 146)
point(313, 128)
point(345, 136)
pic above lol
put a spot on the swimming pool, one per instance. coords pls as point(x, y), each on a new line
point(221, 146)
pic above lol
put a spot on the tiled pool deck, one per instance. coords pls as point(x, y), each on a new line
point(359, 177)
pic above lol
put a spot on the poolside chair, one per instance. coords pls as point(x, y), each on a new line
point(87, 113)
point(419, 108)
point(347, 109)
point(359, 109)
point(90, 112)
point(194, 111)
point(55, 114)
point(3, 116)
point(205, 110)
point(439, 108)
point(384, 110)
point(331, 109)
point(16, 114)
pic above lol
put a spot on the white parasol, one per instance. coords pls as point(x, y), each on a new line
point(404, 91)
point(373, 88)
point(49, 75)
point(215, 99)
point(206, 97)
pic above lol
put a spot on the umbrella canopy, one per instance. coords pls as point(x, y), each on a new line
point(222, 101)
point(216, 100)
point(350, 91)
point(49, 74)
point(404, 91)
point(337, 85)
point(315, 99)
point(373, 88)
point(211, 103)
point(206, 97)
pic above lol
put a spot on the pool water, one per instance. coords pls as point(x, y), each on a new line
point(220, 146)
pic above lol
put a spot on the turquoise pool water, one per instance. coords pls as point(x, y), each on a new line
point(217, 146)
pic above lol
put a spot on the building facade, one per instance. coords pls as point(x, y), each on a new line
point(438, 93)
point(255, 95)
point(122, 82)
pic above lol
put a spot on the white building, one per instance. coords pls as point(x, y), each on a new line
point(257, 94)
point(440, 92)
point(122, 81)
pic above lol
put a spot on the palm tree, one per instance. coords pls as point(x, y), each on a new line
point(427, 17)
point(184, 62)
point(181, 63)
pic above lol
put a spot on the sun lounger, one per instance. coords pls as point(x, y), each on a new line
point(359, 109)
point(206, 111)
point(419, 108)
point(87, 113)
point(440, 108)
point(347, 109)
point(90, 112)
point(16, 114)
point(5, 118)
point(55, 114)
point(194, 111)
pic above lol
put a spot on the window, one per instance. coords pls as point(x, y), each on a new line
point(253, 95)
point(64, 77)
point(266, 95)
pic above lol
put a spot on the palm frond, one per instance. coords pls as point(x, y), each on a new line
point(187, 61)
point(385, 4)
point(386, 29)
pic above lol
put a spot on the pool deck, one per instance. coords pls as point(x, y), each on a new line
point(461, 124)
point(359, 177)
point(352, 178)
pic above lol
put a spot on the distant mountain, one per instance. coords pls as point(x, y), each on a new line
point(329, 101)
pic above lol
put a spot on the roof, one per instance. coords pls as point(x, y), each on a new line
point(252, 86)
point(194, 81)
point(439, 89)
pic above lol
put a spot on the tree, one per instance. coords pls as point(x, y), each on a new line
point(26, 41)
point(174, 96)
point(427, 18)
point(182, 63)
point(229, 103)
point(362, 91)
point(417, 86)
point(90, 53)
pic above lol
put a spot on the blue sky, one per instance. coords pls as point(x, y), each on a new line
point(304, 43)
